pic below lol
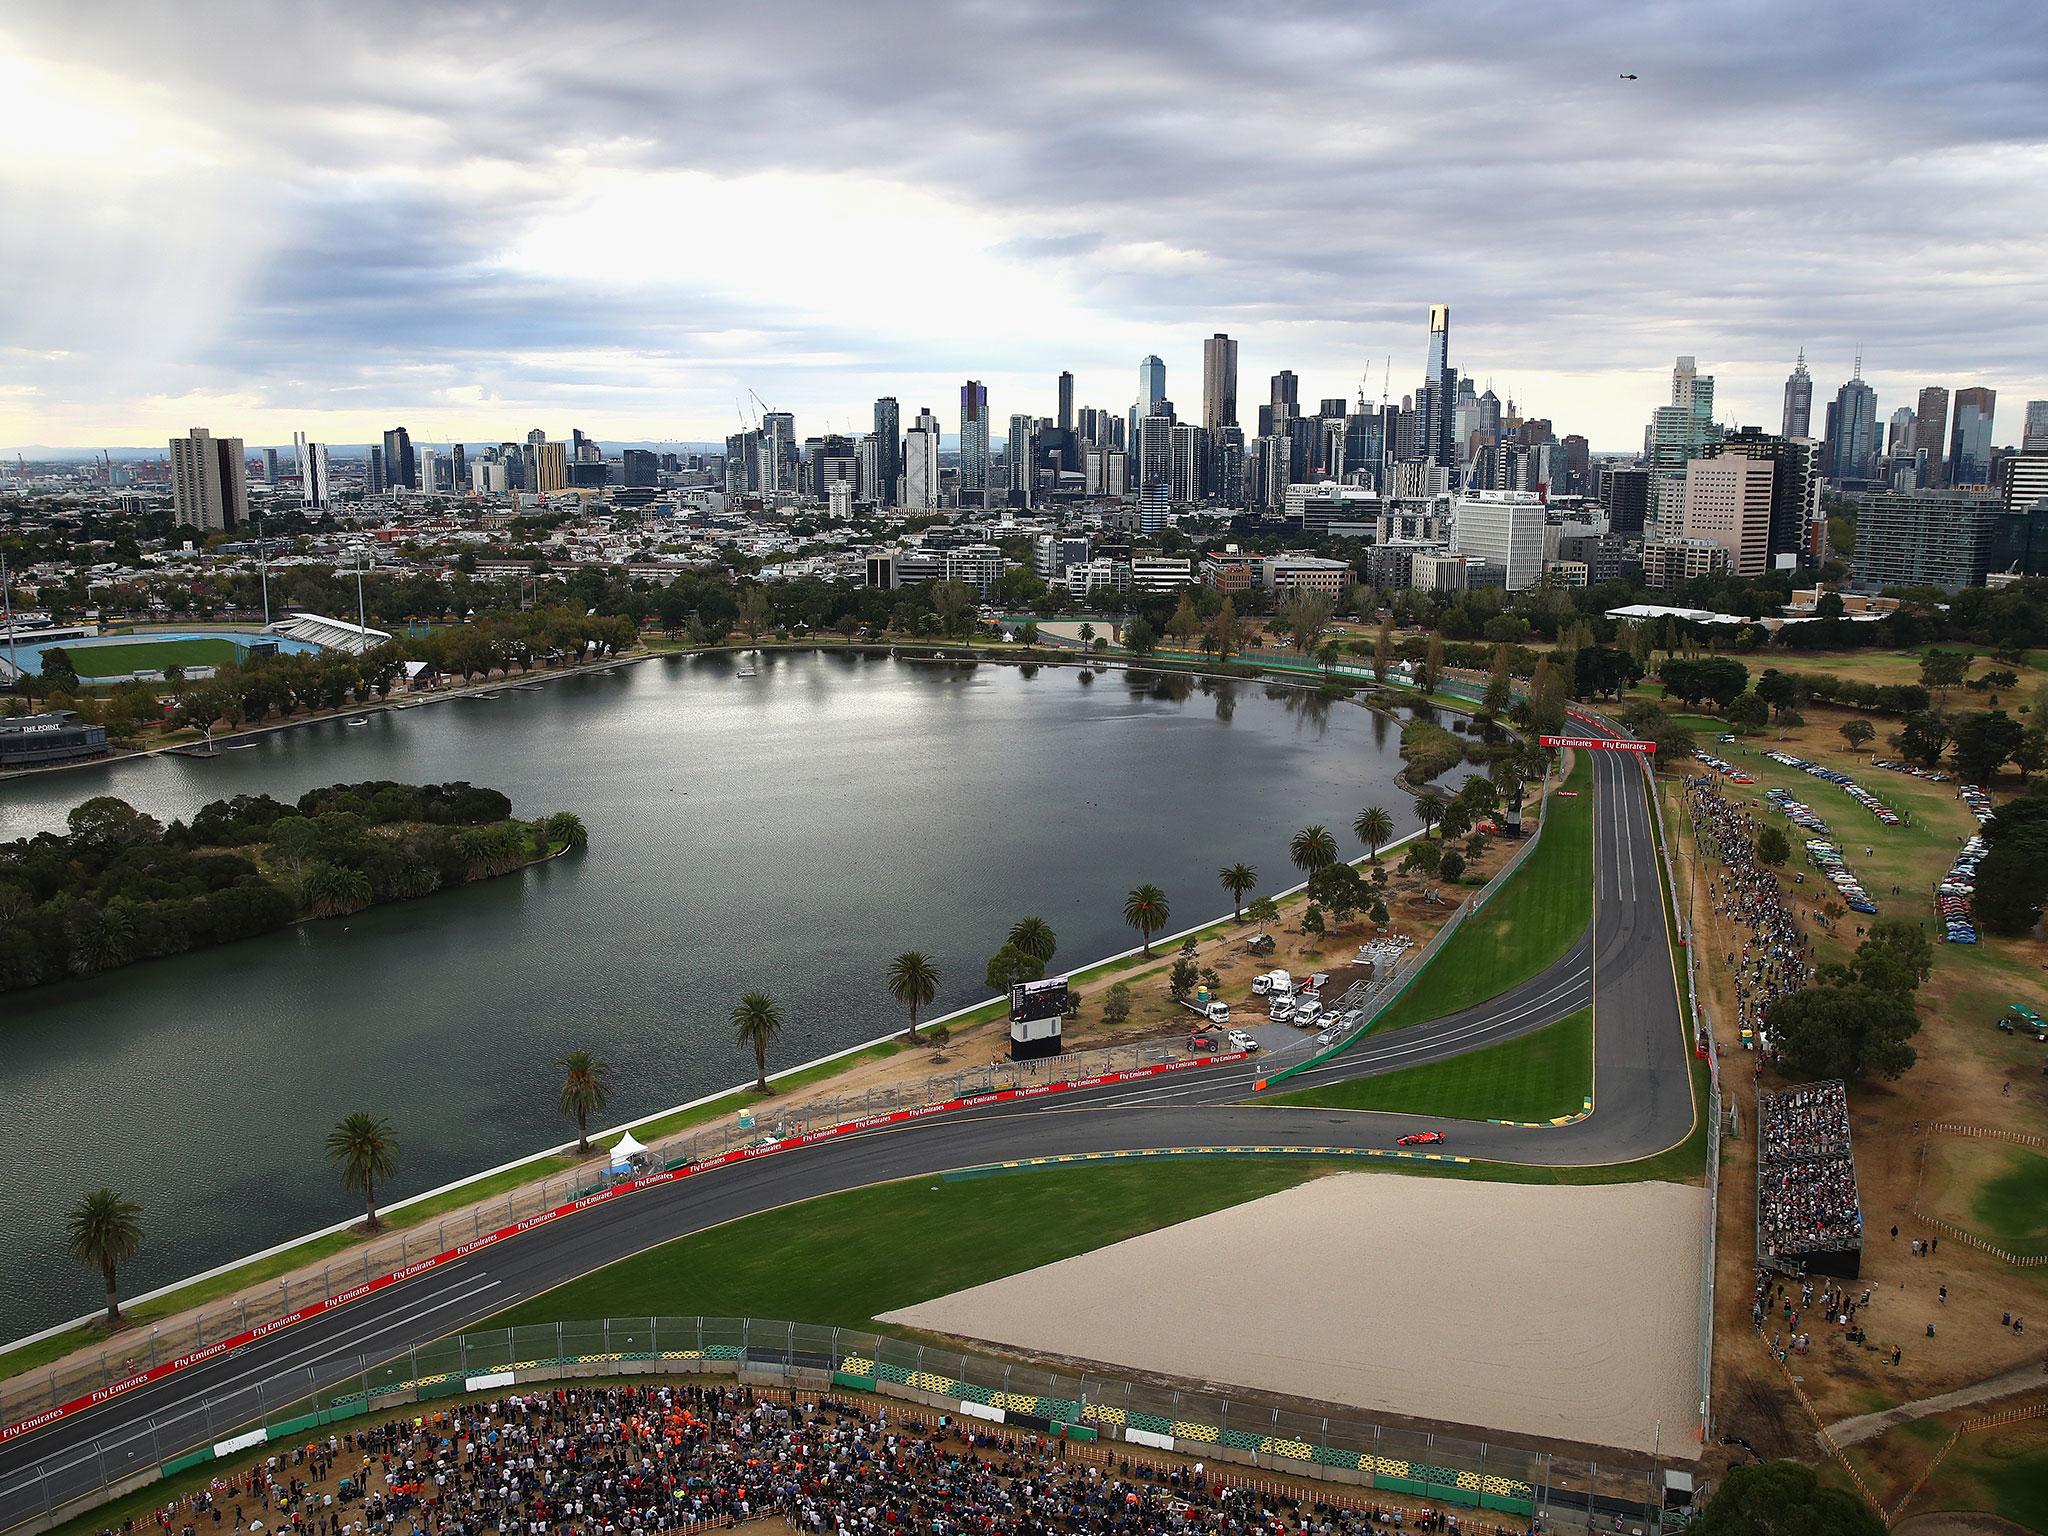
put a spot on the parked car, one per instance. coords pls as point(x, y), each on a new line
point(1240, 1041)
point(1351, 1019)
point(1420, 1139)
point(1329, 1036)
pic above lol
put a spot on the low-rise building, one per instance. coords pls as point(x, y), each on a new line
point(1675, 561)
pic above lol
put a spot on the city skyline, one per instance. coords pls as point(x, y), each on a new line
point(269, 251)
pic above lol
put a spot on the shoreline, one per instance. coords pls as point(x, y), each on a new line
point(742, 1090)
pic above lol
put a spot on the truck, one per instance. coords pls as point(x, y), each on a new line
point(1273, 984)
point(1214, 1009)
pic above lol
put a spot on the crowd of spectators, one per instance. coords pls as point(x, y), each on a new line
point(1806, 1199)
point(1775, 958)
point(641, 1460)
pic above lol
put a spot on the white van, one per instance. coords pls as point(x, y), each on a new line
point(1307, 1011)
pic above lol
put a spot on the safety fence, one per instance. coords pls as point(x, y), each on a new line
point(1947, 1128)
point(1215, 1428)
point(138, 1357)
point(1386, 989)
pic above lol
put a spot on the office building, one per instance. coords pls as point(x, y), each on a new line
point(548, 466)
point(1504, 528)
point(1926, 538)
point(1797, 528)
point(2022, 480)
point(401, 470)
point(458, 473)
point(780, 471)
point(1852, 445)
point(1151, 385)
point(1065, 419)
point(1052, 553)
point(1797, 420)
point(1672, 562)
point(1930, 432)
point(2034, 436)
point(1679, 433)
point(270, 468)
point(1019, 457)
point(1438, 570)
point(374, 481)
point(1108, 472)
point(1190, 457)
point(1969, 444)
point(209, 481)
point(1288, 575)
point(742, 464)
point(1728, 501)
point(1285, 397)
point(638, 467)
point(1898, 438)
point(1219, 383)
point(1625, 493)
point(973, 443)
point(921, 464)
point(1154, 499)
point(888, 451)
point(1155, 450)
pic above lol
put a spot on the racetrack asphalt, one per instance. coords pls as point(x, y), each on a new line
point(1642, 1105)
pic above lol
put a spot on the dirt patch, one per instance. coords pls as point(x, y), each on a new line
point(1542, 1311)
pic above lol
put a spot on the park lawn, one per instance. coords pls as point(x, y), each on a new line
point(844, 1259)
point(2002, 1471)
point(2010, 1206)
point(151, 655)
point(1535, 918)
point(1543, 1075)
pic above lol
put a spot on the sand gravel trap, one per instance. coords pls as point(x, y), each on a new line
point(1543, 1311)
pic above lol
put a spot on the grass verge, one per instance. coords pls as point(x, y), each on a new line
point(1535, 918)
point(1543, 1075)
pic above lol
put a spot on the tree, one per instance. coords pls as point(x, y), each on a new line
point(1430, 807)
point(1010, 965)
point(1116, 1004)
point(1338, 889)
point(1857, 733)
point(2012, 881)
point(367, 1150)
point(1312, 848)
point(1546, 699)
point(913, 982)
point(1938, 669)
point(1783, 1498)
point(1499, 691)
point(1225, 631)
point(1239, 880)
point(586, 1087)
point(756, 1021)
point(1772, 847)
point(1139, 638)
point(1895, 956)
point(1456, 820)
point(1602, 670)
point(1423, 855)
point(1264, 910)
point(1087, 633)
point(1983, 743)
point(566, 828)
point(1433, 663)
point(1844, 1031)
point(1146, 910)
point(1181, 979)
point(1035, 937)
point(756, 614)
point(60, 675)
point(1749, 712)
point(1312, 921)
point(1383, 649)
point(1451, 867)
point(1923, 737)
point(103, 1229)
point(1374, 828)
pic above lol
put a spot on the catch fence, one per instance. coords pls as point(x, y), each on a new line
point(1475, 1475)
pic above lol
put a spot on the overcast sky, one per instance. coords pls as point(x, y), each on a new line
point(473, 219)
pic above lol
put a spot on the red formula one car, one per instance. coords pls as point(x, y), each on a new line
point(1420, 1139)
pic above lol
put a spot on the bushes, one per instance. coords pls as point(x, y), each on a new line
point(1429, 750)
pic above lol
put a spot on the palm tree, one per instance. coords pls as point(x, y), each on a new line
point(1430, 807)
point(1373, 828)
point(1240, 880)
point(586, 1085)
point(104, 1229)
point(1312, 848)
point(914, 982)
point(1035, 937)
point(367, 1149)
point(755, 1022)
point(1145, 909)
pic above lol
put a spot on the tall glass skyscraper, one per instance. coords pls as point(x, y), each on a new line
point(1798, 417)
point(1969, 451)
point(1852, 430)
point(973, 442)
point(888, 451)
point(1151, 385)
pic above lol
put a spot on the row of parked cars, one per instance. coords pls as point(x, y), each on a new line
point(1798, 812)
point(1827, 858)
point(1848, 786)
point(1726, 769)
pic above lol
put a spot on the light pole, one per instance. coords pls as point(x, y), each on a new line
point(7, 603)
point(263, 565)
point(362, 622)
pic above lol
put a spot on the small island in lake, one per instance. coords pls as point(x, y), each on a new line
point(119, 886)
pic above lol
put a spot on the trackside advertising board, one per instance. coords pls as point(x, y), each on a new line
point(1598, 743)
point(225, 1346)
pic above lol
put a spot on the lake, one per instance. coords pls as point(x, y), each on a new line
point(790, 831)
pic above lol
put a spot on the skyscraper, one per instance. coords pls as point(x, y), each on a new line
point(1969, 444)
point(1439, 344)
point(1795, 523)
point(1219, 383)
point(401, 470)
point(1852, 430)
point(1728, 501)
point(1155, 450)
point(1286, 394)
point(973, 443)
point(312, 461)
point(1930, 431)
point(2034, 437)
point(270, 467)
point(1898, 440)
point(921, 463)
point(1151, 385)
point(1066, 413)
point(1679, 432)
point(209, 481)
point(1190, 457)
point(1798, 417)
point(1018, 455)
point(888, 450)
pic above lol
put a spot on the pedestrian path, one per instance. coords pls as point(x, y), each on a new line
point(1868, 1426)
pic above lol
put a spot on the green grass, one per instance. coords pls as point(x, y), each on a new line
point(844, 1259)
point(2011, 1208)
point(1535, 918)
point(146, 655)
point(1539, 1076)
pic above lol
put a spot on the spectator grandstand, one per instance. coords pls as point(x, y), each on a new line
point(329, 634)
point(1807, 1209)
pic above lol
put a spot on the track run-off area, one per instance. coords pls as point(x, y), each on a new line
point(1642, 1105)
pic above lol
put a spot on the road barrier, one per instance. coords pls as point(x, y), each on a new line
point(134, 1375)
point(1216, 1428)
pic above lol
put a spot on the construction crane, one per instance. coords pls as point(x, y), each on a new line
point(761, 405)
